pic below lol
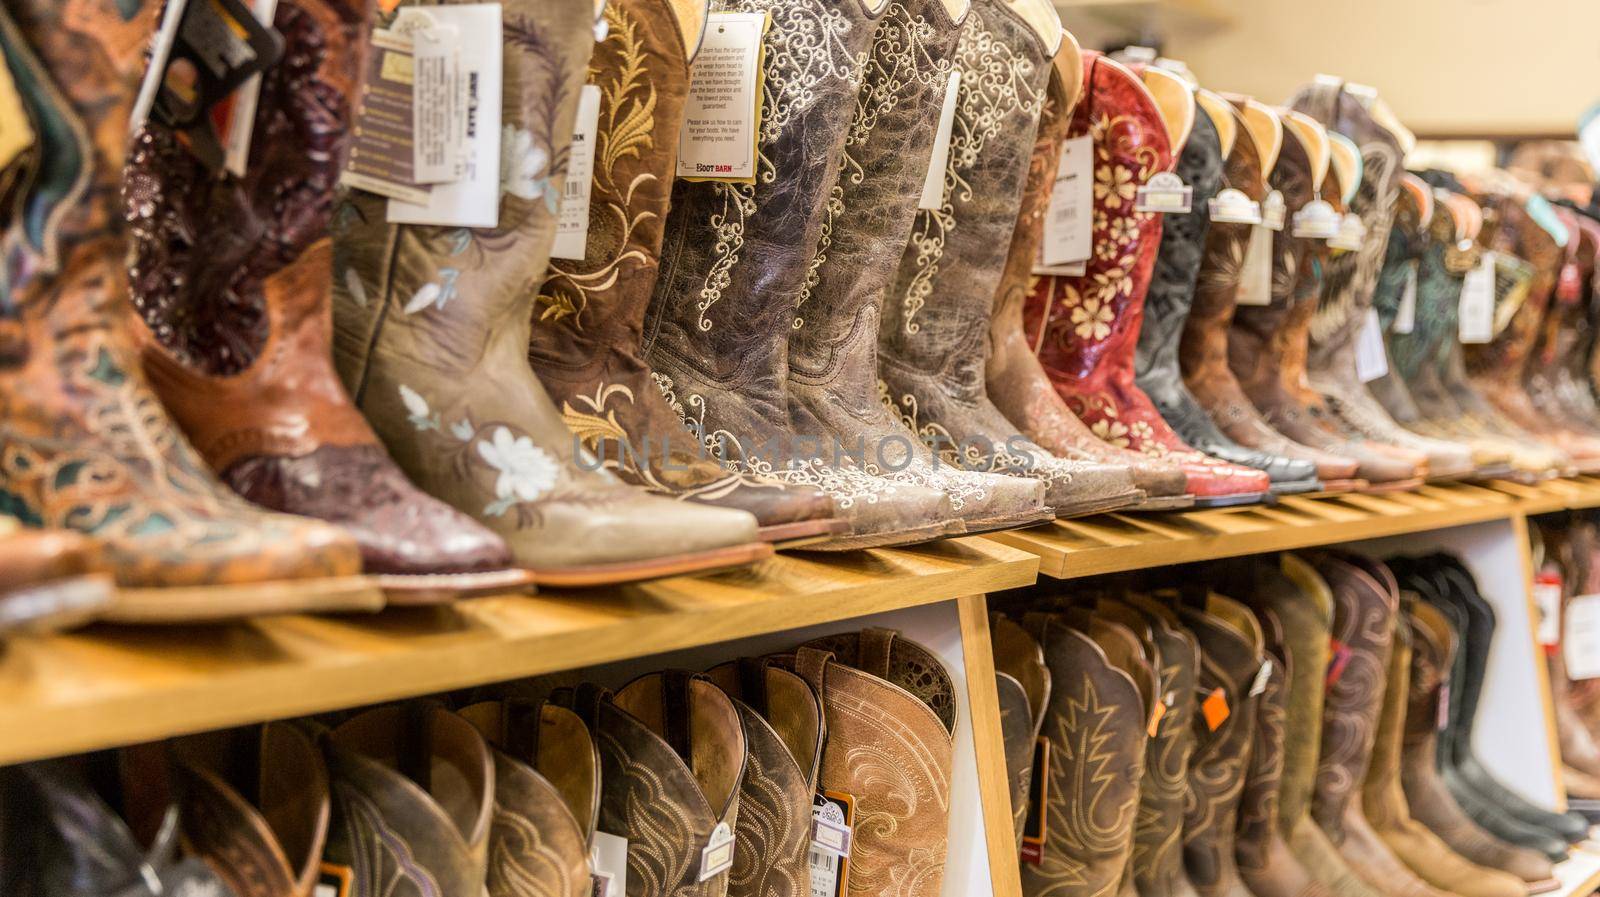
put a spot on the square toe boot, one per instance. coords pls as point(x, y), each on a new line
point(784, 729)
point(890, 709)
point(735, 260)
point(84, 443)
point(49, 580)
point(932, 343)
point(590, 327)
point(1085, 328)
point(431, 338)
point(1017, 384)
point(866, 222)
point(232, 277)
point(413, 799)
point(1023, 682)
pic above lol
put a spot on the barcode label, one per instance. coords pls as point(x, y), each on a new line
point(572, 229)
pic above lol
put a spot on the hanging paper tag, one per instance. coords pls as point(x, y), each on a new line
point(721, 118)
point(1405, 320)
point(1317, 220)
point(333, 880)
point(830, 869)
point(1036, 825)
point(1262, 675)
point(608, 865)
point(1547, 598)
point(1233, 207)
point(1215, 709)
point(1352, 234)
point(381, 156)
point(1477, 302)
point(717, 856)
point(1157, 714)
point(1073, 269)
point(1165, 193)
point(1580, 637)
point(1255, 281)
point(438, 102)
point(1338, 659)
point(933, 181)
point(829, 833)
point(1372, 361)
point(1068, 232)
point(572, 231)
point(1544, 214)
point(1273, 211)
point(237, 123)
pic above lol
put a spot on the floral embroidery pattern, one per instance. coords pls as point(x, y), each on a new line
point(524, 472)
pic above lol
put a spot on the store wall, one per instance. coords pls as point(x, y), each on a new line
point(1448, 67)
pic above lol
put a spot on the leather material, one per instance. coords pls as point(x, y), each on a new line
point(866, 224)
point(1556, 372)
point(587, 338)
point(1017, 383)
point(84, 443)
point(890, 710)
point(413, 796)
point(1085, 328)
point(1024, 684)
point(49, 580)
point(1570, 550)
point(446, 382)
point(932, 342)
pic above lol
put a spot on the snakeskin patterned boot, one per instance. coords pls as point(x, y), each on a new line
point(736, 259)
point(932, 342)
point(590, 325)
point(431, 337)
point(84, 443)
point(1023, 682)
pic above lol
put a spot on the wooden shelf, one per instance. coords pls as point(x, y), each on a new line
point(108, 686)
point(1579, 874)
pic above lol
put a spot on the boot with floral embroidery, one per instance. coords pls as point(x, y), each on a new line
point(1085, 327)
point(431, 337)
point(590, 324)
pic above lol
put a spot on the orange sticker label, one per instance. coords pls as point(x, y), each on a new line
point(1156, 717)
point(333, 880)
point(1215, 708)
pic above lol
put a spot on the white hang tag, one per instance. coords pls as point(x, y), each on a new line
point(242, 113)
point(1547, 598)
point(439, 103)
point(1255, 281)
point(830, 834)
point(1068, 231)
point(474, 199)
point(1477, 303)
point(1352, 234)
point(933, 182)
point(721, 123)
point(1233, 207)
point(1165, 193)
point(717, 857)
point(1405, 320)
point(1580, 637)
point(1073, 269)
point(1372, 361)
point(1274, 211)
point(572, 231)
point(608, 865)
point(1317, 220)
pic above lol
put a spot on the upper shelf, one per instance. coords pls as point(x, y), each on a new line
point(108, 686)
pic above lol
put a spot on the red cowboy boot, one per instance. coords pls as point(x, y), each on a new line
point(1086, 327)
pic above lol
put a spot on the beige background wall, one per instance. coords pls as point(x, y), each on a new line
point(1448, 67)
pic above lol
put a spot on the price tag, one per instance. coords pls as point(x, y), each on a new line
point(333, 880)
point(1068, 232)
point(1547, 598)
point(1036, 824)
point(239, 123)
point(1444, 706)
point(608, 865)
point(1338, 659)
point(1262, 675)
point(1580, 637)
point(1166, 193)
point(1233, 207)
point(830, 868)
point(722, 116)
point(1255, 281)
point(572, 231)
point(933, 181)
point(1274, 210)
point(717, 856)
point(1372, 361)
point(1477, 302)
point(1405, 320)
point(1351, 235)
point(1074, 269)
point(1317, 220)
point(1214, 707)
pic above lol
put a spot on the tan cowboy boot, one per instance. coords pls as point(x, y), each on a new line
point(1022, 679)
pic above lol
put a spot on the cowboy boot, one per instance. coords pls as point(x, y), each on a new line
point(1184, 239)
point(1427, 795)
point(242, 321)
point(49, 581)
point(446, 382)
point(931, 346)
point(590, 325)
point(1022, 679)
point(736, 258)
point(84, 444)
point(1384, 802)
point(546, 798)
point(1085, 328)
point(890, 709)
point(784, 734)
point(1564, 552)
point(1559, 336)
point(866, 223)
point(1570, 376)
point(1017, 383)
point(672, 756)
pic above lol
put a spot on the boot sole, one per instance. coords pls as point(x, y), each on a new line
point(591, 575)
point(204, 604)
point(55, 605)
point(1014, 521)
point(784, 536)
point(421, 589)
point(1296, 487)
point(1158, 503)
point(1125, 501)
point(1544, 887)
point(913, 536)
point(1339, 487)
point(1378, 488)
point(1229, 501)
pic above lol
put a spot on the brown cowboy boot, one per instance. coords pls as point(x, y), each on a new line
point(413, 797)
point(232, 277)
point(49, 581)
point(546, 799)
point(590, 323)
point(84, 444)
point(1023, 682)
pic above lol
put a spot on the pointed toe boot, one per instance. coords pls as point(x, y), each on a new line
point(587, 338)
point(932, 343)
point(431, 337)
point(1023, 682)
point(1085, 328)
point(84, 442)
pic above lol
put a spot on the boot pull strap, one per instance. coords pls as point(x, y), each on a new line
point(812, 665)
point(872, 655)
point(414, 748)
point(675, 708)
point(585, 701)
point(753, 683)
point(521, 722)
